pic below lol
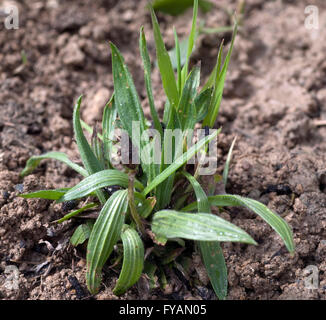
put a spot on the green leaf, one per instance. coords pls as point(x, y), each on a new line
point(55, 194)
point(202, 103)
point(203, 204)
point(187, 109)
point(108, 126)
point(87, 155)
point(179, 162)
point(219, 86)
point(211, 251)
point(165, 65)
point(227, 163)
point(97, 181)
point(176, 55)
point(166, 112)
point(126, 97)
point(98, 148)
point(153, 167)
point(214, 263)
point(200, 226)
point(274, 220)
point(150, 270)
point(213, 77)
point(34, 161)
point(104, 235)
point(81, 234)
point(129, 109)
point(148, 81)
point(133, 260)
point(76, 212)
point(146, 207)
point(191, 42)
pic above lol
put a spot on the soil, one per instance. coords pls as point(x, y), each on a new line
point(275, 98)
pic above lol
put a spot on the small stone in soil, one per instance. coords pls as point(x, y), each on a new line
point(39, 248)
point(205, 293)
point(5, 195)
point(22, 244)
point(19, 187)
point(279, 189)
point(50, 232)
point(69, 205)
point(76, 285)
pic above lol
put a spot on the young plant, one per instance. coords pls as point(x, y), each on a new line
point(149, 202)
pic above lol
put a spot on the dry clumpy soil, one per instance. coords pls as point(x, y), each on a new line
point(275, 98)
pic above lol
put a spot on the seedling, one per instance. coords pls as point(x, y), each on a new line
point(139, 204)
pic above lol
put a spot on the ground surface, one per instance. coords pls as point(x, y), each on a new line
point(274, 97)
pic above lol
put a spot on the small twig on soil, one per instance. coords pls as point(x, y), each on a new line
point(320, 123)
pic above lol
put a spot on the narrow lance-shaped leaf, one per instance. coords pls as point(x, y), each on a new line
point(148, 81)
point(179, 162)
point(201, 226)
point(97, 181)
point(153, 168)
point(98, 147)
point(177, 57)
point(133, 260)
point(104, 235)
point(126, 97)
point(213, 78)
point(87, 155)
point(76, 212)
point(202, 201)
point(108, 126)
point(187, 109)
point(215, 265)
point(90, 162)
point(129, 108)
point(211, 251)
point(34, 161)
point(173, 53)
point(202, 103)
point(274, 220)
point(191, 42)
point(165, 65)
point(219, 86)
point(55, 194)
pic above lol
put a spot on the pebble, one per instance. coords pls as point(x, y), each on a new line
point(72, 55)
point(19, 187)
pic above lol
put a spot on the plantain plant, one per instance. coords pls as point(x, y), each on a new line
point(148, 204)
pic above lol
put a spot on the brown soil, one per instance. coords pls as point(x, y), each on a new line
point(275, 94)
